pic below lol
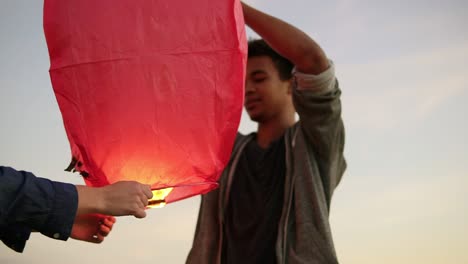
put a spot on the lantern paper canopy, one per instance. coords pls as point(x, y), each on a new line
point(150, 91)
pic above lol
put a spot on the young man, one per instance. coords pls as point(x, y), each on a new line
point(274, 197)
point(61, 210)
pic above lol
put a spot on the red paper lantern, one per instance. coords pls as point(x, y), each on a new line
point(148, 90)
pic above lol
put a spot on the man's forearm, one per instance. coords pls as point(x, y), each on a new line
point(118, 199)
point(89, 200)
point(287, 40)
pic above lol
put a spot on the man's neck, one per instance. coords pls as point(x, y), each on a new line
point(270, 131)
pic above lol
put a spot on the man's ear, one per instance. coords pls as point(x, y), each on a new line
point(291, 83)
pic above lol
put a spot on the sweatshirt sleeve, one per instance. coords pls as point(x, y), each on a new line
point(317, 101)
point(31, 203)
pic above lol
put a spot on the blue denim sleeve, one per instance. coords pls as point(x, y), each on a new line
point(31, 203)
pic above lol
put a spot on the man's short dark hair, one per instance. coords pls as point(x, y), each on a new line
point(258, 47)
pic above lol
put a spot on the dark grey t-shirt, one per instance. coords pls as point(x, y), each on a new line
point(255, 204)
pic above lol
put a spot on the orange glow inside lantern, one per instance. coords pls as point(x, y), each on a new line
point(149, 90)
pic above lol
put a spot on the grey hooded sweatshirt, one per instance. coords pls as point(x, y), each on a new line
point(314, 167)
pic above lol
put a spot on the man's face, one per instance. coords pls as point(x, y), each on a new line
point(266, 95)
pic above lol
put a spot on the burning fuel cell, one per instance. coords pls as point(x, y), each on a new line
point(159, 198)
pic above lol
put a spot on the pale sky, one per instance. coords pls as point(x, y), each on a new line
point(403, 68)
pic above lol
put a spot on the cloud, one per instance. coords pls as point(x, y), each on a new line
point(387, 92)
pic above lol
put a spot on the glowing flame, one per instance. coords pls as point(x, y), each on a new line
point(159, 198)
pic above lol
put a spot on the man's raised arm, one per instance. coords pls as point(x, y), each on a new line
point(287, 40)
